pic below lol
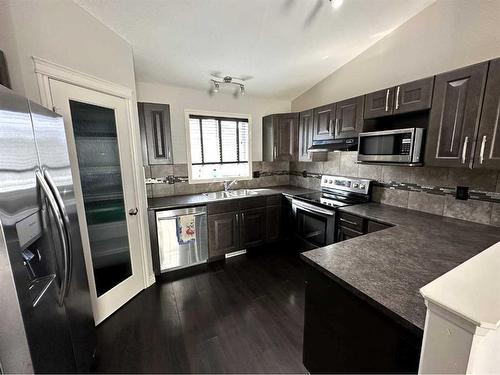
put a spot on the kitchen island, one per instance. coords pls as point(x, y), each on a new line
point(364, 312)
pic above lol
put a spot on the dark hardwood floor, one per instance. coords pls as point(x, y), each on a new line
point(242, 316)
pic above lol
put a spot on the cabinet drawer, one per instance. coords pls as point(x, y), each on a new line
point(254, 202)
point(221, 207)
point(374, 226)
point(274, 200)
point(351, 221)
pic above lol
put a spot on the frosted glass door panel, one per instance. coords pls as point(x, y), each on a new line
point(96, 142)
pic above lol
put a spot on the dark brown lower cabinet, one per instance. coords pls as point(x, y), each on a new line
point(273, 223)
point(223, 233)
point(346, 233)
point(252, 227)
point(345, 334)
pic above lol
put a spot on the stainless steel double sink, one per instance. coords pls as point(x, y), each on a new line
point(230, 194)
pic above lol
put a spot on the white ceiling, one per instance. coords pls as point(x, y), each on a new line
point(281, 47)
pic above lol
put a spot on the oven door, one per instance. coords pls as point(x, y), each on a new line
point(314, 226)
point(391, 146)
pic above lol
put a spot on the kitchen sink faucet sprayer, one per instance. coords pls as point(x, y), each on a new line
point(228, 184)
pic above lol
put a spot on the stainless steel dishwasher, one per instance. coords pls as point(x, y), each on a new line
point(182, 237)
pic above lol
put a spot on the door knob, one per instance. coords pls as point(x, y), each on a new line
point(133, 211)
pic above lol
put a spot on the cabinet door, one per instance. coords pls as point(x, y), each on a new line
point(305, 134)
point(286, 136)
point(454, 118)
point(323, 122)
point(273, 223)
point(252, 227)
point(346, 234)
point(488, 141)
point(379, 103)
point(349, 117)
point(414, 96)
point(223, 236)
point(268, 149)
point(155, 128)
point(374, 226)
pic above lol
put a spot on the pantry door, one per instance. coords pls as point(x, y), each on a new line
point(101, 152)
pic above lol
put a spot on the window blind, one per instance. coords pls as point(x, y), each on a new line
point(218, 140)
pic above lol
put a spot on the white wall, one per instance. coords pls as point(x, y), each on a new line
point(181, 99)
point(62, 32)
point(446, 35)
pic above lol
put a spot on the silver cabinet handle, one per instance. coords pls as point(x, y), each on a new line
point(275, 152)
point(387, 100)
point(464, 150)
point(397, 97)
point(337, 127)
point(330, 128)
point(133, 211)
point(64, 213)
point(60, 230)
point(481, 154)
point(349, 222)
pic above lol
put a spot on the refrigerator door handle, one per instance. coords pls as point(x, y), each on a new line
point(65, 217)
point(60, 228)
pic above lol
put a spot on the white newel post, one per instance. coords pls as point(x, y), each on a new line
point(462, 326)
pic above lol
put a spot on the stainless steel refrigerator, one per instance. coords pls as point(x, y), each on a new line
point(46, 322)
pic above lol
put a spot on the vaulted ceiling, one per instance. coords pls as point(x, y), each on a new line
point(280, 47)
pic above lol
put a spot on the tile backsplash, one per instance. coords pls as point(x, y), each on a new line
point(176, 179)
point(428, 189)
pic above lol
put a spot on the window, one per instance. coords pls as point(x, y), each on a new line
point(219, 147)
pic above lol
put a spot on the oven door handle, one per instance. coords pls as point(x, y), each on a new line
point(311, 208)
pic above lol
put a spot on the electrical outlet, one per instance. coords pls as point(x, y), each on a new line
point(462, 193)
point(256, 174)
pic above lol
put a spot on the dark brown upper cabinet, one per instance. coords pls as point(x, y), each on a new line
point(349, 117)
point(413, 96)
point(488, 140)
point(454, 117)
point(280, 137)
point(305, 135)
point(156, 139)
point(323, 122)
point(407, 97)
point(379, 103)
point(252, 227)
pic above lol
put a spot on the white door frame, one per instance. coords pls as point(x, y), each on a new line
point(46, 70)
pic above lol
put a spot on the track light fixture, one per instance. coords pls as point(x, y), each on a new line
point(336, 3)
point(227, 80)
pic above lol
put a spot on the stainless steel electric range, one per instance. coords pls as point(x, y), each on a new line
point(315, 213)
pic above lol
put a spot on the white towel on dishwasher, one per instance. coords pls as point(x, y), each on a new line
point(186, 230)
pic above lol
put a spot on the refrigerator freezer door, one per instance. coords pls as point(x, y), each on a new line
point(52, 148)
point(43, 326)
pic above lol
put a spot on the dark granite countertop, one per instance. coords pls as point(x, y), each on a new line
point(388, 268)
point(175, 201)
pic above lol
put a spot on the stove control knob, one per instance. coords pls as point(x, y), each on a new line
point(361, 186)
point(330, 181)
point(355, 185)
point(325, 181)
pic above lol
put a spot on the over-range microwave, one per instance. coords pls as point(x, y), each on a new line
point(400, 146)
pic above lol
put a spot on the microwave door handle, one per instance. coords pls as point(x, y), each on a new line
point(60, 229)
point(387, 100)
point(67, 227)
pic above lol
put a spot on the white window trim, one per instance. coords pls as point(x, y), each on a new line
point(195, 112)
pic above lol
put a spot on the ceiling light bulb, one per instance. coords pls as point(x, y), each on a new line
point(216, 86)
point(336, 3)
point(242, 90)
